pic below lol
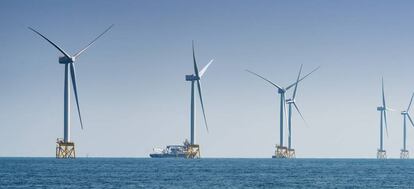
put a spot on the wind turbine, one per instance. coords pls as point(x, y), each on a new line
point(404, 152)
point(381, 153)
point(282, 91)
point(69, 62)
point(291, 102)
point(195, 79)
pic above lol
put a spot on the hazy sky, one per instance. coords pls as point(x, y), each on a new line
point(132, 86)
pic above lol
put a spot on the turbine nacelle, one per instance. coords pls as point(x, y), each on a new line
point(380, 108)
point(281, 90)
point(290, 101)
point(66, 60)
point(192, 78)
point(404, 112)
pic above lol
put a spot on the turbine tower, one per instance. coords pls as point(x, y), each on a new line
point(281, 151)
point(381, 153)
point(193, 149)
point(404, 152)
point(66, 148)
point(290, 102)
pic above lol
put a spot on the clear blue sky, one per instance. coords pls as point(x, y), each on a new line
point(132, 86)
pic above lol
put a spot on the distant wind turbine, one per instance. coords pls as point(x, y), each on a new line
point(69, 62)
point(381, 153)
point(406, 114)
point(282, 92)
point(291, 102)
point(195, 78)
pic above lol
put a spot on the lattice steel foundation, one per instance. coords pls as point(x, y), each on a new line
point(193, 151)
point(381, 154)
point(65, 150)
point(404, 154)
point(291, 153)
point(281, 152)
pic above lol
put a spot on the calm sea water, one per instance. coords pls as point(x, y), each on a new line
point(204, 173)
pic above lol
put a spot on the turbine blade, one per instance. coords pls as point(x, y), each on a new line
point(296, 84)
point(389, 109)
point(264, 79)
point(201, 101)
point(385, 121)
point(409, 106)
point(90, 44)
point(297, 109)
point(60, 49)
point(383, 94)
point(205, 68)
point(75, 90)
point(409, 117)
point(195, 62)
point(290, 86)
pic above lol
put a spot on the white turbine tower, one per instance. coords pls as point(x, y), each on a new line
point(290, 102)
point(66, 148)
point(281, 151)
point(381, 153)
point(193, 148)
point(404, 152)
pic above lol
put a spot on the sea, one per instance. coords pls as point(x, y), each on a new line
point(205, 173)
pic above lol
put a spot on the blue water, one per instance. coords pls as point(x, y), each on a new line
point(204, 173)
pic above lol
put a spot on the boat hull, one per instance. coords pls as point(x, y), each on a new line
point(167, 156)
